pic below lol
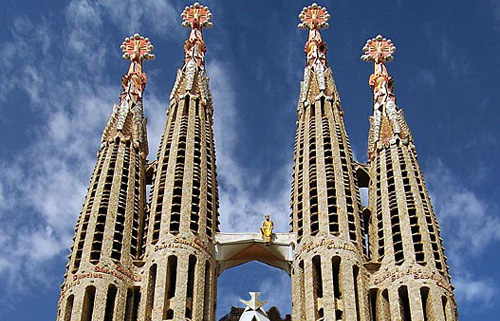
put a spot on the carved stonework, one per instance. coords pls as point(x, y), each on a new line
point(386, 122)
point(127, 120)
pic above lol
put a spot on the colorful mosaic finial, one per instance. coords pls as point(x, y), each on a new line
point(378, 49)
point(196, 16)
point(137, 48)
point(314, 17)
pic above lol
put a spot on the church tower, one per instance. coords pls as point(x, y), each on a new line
point(327, 271)
point(108, 235)
point(410, 280)
point(182, 215)
point(158, 259)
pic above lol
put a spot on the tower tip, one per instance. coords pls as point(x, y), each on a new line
point(314, 17)
point(378, 49)
point(196, 16)
point(138, 48)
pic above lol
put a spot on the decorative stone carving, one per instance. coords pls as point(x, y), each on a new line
point(385, 108)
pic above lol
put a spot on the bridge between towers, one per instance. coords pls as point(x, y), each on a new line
point(233, 249)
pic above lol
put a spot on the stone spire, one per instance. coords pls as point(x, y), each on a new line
point(108, 234)
point(127, 120)
point(326, 272)
point(404, 233)
point(183, 201)
point(387, 125)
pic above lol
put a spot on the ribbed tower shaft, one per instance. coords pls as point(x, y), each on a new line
point(108, 233)
point(412, 282)
point(183, 215)
point(327, 273)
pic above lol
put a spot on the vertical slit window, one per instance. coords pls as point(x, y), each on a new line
point(132, 304)
point(171, 276)
point(136, 246)
point(150, 295)
point(386, 308)
point(366, 231)
point(333, 217)
point(347, 183)
point(190, 285)
point(379, 216)
point(404, 303)
point(206, 294)
point(336, 277)
point(88, 210)
point(372, 299)
point(175, 215)
point(110, 303)
point(95, 253)
point(191, 270)
point(317, 277)
point(424, 296)
point(313, 183)
point(444, 301)
point(355, 274)
point(302, 286)
point(300, 173)
point(212, 194)
point(88, 303)
point(121, 212)
point(195, 201)
point(163, 166)
point(68, 309)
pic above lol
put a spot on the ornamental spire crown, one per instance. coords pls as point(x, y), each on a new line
point(314, 18)
point(135, 49)
point(196, 17)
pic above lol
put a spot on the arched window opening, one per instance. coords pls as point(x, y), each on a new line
point(88, 303)
point(110, 303)
point(68, 310)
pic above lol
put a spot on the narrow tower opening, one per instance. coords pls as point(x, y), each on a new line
point(110, 303)
point(68, 310)
point(88, 303)
point(424, 295)
point(372, 299)
point(150, 295)
point(404, 303)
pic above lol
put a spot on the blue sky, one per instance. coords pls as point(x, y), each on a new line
point(60, 74)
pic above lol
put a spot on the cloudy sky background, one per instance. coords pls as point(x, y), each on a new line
point(60, 74)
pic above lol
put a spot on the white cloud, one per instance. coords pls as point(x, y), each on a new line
point(278, 291)
point(468, 290)
point(130, 15)
point(496, 9)
point(41, 192)
point(425, 78)
point(470, 224)
point(240, 208)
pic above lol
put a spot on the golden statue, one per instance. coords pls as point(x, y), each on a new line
point(267, 230)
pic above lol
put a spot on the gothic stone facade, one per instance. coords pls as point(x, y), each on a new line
point(157, 259)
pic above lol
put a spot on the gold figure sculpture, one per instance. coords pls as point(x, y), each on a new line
point(267, 230)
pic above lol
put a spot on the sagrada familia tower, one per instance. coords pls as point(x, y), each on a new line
point(135, 258)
